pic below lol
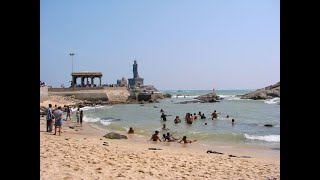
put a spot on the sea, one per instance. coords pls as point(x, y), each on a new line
point(249, 116)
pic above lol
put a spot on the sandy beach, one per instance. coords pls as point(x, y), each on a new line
point(82, 153)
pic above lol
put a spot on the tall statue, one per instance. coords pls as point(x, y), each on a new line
point(135, 70)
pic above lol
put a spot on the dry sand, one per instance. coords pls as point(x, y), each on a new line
point(79, 153)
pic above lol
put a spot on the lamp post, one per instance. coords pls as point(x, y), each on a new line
point(72, 54)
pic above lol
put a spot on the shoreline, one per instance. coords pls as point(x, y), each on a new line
point(82, 153)
point(238, 149)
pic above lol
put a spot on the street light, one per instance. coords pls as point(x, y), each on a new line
point(72, 54)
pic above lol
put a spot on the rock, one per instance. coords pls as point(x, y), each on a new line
point(167, 95)
point(268, 125)
point(187, 102)
point(211, 97)
point(114, 135)
point(268, 92)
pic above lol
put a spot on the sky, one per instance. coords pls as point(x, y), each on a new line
point(178, 44)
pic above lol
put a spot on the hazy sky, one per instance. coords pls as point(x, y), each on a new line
point(178, 44)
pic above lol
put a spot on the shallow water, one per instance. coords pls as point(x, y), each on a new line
point(248, 129)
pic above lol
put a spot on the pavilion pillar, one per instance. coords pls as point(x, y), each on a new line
point(92, 79)
point(100, 81)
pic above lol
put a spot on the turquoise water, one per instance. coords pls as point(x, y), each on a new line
point(250, 117)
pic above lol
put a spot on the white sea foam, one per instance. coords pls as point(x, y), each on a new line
point(95, 107)
point(90, 119)
point(272, 101)
point(269, 138)
point(229, 97)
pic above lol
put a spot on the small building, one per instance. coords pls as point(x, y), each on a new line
point(122, 82)
point(84, 79)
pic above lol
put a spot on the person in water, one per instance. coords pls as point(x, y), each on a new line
point(202, 116)
point(163, 117)
point(227, 117)
point(177, 120)
point(232, 121)
point(195, 116)
point(155, 136)
point(170, 137)
point(184, 139)
point(164, 127)
point(131, 131)
point(214, 115)
point(161, 110)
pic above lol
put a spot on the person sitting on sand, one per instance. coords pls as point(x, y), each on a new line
point(214, 115)
point(170, 138)
point(163, 117)
point(202, 116)
point(184, 139)
point(131, 131)
point(58, 119)
point(155, 136)
point(177, 120)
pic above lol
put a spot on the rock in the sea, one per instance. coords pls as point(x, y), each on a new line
point(268, 125)
point(211, 97)
point(268, 92)
point(114, 135)
point(167, 95)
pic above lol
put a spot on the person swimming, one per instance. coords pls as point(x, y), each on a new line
point(177, 120)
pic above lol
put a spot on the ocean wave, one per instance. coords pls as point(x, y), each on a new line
point(268, 138)
point(229, 97)
point(90, 119)
point(272, 101)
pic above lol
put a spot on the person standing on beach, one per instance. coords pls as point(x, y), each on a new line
point(58, 119)
point(68, 113)
point(81, 117)
point(49, 118)
point(78, 115)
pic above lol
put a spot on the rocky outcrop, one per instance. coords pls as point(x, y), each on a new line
point(268, 92)
point(114, 135)
point(211, 97)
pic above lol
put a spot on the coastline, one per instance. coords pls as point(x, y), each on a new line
point(79, 153)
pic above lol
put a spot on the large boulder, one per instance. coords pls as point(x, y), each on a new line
point(211, 97)
point(268, 92)
point(114, 135)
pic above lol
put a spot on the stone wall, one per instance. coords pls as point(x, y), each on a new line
point(112, 94)
point(44, 93)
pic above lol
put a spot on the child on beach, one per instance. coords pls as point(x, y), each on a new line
point(184, 139)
